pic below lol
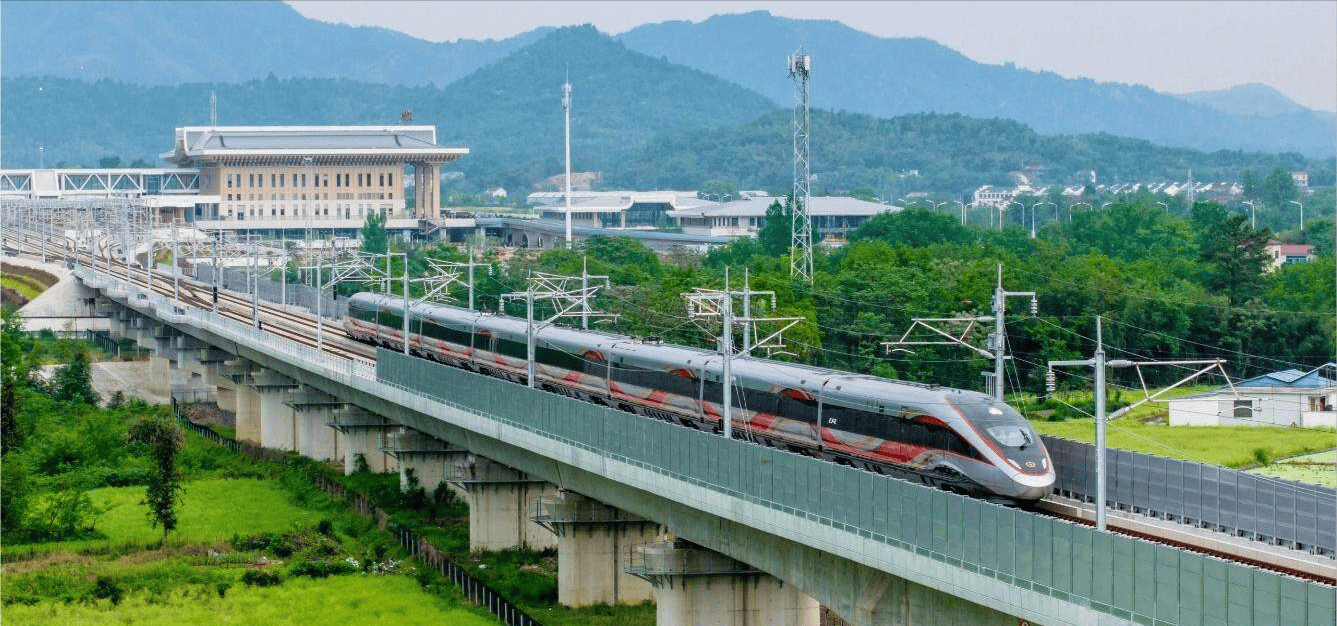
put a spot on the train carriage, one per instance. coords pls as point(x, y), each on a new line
point(954, 439)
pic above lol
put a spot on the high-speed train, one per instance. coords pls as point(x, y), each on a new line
point(954, 439)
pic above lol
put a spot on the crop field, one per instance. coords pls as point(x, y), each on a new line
point(1318, 469)
point(1229, 446)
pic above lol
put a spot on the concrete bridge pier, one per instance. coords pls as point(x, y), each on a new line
point(278, 429)
point(695, 586)
point(499, 498)
point(212, 361)
point(313, 410)
point(428, 459)
point(364, 433)
point(186, 352)
point(592, 541)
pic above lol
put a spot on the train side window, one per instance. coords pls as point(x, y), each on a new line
point(558, 358)
point(512, 348)
point(796, 408)
point(359, 313)
point(594, 364)
point(390, 318)
point(853, 420)
point(713, 392)
point(755, 399)
point(483, 341)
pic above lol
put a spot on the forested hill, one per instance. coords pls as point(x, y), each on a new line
point(509, 114)
point(171, 43)
point(951, 153)
point(515, 132)
point(885, 77)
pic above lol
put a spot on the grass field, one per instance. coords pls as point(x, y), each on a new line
point(1230, 446)
point(334, 601)
point(210, 511)
point(1302, 469)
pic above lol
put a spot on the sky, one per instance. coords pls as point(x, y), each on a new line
point(1176, 47)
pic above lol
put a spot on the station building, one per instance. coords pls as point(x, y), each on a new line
point(269, 178)
point(282, 177)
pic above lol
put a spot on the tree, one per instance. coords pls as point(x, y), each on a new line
point(1278, 188)
point(916, 228)
point(1235, 256)
point(73, 382)
point(165, 441)
point(375, 240)
point(777, 232)
point(1250, 184)
point(110, 162)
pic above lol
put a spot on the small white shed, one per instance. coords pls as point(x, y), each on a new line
point(1286, 398)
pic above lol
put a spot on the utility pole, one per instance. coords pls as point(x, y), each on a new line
point(254, 283)
point(998, 340)
point(320, 295)
point(726, 346)
point(217, 274)
point(176, 265)
point(566, 106)
point(549, 287)
point(407, 313)
point(707, 303)
point(1100, 363)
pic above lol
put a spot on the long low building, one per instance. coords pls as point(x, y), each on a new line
point(833, 217)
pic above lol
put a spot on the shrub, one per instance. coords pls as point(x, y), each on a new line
point(325, 567)
point(261, 578)
point(1260, 455)
point(105, 588)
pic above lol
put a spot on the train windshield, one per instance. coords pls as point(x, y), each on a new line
point(1008, 430)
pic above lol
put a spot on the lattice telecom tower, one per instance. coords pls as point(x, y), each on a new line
point(800, 260)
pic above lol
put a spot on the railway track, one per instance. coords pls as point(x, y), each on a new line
point(275, 319)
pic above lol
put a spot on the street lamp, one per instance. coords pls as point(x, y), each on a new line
point(1102, 207)
point(1164, 206)
point(937, 204)
point(1302, 215)
point(1253, 223)
point(1033, 215)
point(1070, 208)
point(963, 211)
point(1023, 214)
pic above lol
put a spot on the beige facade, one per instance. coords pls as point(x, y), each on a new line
point(319, 192)
point(278, 176)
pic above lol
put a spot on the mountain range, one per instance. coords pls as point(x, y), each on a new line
point(169, 43)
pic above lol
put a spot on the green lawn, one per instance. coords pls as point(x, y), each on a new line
point(209, 511)
point(1230, 446)
point(1293, 469)
point(336, 601)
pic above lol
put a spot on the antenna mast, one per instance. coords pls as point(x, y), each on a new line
point(213, 109)
point(800, 261)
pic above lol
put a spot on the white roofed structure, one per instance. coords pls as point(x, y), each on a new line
point(832, 216)
point(303, 174)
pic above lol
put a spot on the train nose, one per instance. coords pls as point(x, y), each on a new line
point(1032, 493)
